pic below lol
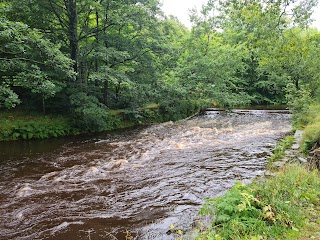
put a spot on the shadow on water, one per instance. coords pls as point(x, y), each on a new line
point(136, 182)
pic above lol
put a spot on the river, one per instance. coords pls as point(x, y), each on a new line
point(134, 183)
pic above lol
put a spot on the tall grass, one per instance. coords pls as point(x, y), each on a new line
point(311, 124)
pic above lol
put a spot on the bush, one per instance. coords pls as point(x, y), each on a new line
point(175, 110)
point(299, 101)
point(88, 115)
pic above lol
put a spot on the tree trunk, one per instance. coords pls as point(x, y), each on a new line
point(105, 92)
point(96, 64)
point(71, 5)
point(296, 81)
point(43, 104)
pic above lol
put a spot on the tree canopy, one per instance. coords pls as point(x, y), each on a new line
point(88, 56)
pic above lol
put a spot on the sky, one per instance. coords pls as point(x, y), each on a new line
point(179, 8)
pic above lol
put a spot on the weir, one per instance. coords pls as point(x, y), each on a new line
point(135, 183)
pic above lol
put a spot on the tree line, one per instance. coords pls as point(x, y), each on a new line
point(82, 58)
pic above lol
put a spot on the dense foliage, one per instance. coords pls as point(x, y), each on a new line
point(83, 58)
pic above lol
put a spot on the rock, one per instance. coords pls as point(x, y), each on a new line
point(298, 135)
point(279, 164)
point(269, 174)
point(302, 160)
point(288, 152)
point(295, 146)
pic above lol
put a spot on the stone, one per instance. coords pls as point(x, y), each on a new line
point(302, 160)
point(295, 146)
point(288, 152)
point(269, 174)
point(298, 133)
point(279, 164)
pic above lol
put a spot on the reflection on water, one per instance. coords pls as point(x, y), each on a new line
point(138, 183)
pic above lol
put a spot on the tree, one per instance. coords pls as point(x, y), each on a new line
point(29, 61)
point(260, 28)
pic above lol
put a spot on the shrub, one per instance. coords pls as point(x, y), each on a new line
point(299, 101)
point(88, 115)
point(175, 110)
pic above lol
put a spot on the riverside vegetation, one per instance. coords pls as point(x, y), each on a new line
point(95, 65)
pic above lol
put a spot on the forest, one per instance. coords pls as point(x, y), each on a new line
point(94, 65)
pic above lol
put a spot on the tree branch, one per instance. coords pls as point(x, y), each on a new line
point(93, 32)
point(63, 23)
point(24, 59)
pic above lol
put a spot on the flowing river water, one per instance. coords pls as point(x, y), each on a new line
point(133, 183)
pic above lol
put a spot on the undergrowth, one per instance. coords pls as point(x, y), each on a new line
point(86, 117)
point(274, 208)
point(17, 125)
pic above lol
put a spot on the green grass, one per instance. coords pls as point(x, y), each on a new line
point(279, 150)
point(306, 117)
point(275, 208)
point(309, 120)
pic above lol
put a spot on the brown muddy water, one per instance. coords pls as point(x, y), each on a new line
point(135, 183)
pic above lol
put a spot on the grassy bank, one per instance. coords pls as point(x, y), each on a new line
point(17, 125)
point(283, 207)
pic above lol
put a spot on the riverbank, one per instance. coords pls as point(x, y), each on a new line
point(23, 125)
point(283, 205)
